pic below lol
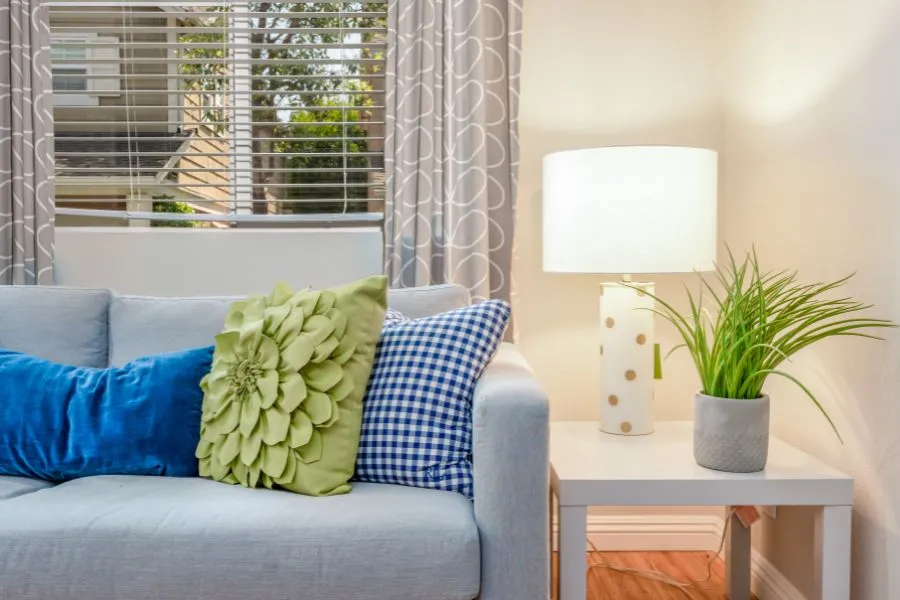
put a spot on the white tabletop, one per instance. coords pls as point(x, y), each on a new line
point(589, 467)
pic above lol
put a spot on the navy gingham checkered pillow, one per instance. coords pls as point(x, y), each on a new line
point(417, 413)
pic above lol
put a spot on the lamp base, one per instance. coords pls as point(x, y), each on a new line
point(626, 359)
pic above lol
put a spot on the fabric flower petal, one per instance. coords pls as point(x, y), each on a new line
point(290, 469)
point(318, 407)
point(275, 316)
point(268, 387)
point(343, 389)
point(290, 328)
point(307, 301)
point(253, 472)
point(297, 354)
point(323, 376)
point(250, 446)
point(204, 449)
point(254, 310)
point(249, 417)
point(230, 447)
point(324, 349)
point(226, 346)
point(227, 421)
point(318, 328)
point(235, 316)
point(344, 351)
point(281, 294)
point(326, 301)
point(241, 473)
point(275, 425)
point(274, 460)
point(251, 334)
point(217, 469)
point(292, 392)
point(301, 429)
point(267, 355)
point(335, 414)
point(312, 451)
point(339, 321)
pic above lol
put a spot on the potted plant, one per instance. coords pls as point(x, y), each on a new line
point(755, 322)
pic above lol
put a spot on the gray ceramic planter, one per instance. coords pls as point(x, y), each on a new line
point(731, 435)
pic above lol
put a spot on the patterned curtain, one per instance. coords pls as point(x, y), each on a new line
point(451, 147)
point(26, 144)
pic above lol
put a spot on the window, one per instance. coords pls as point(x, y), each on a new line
point(223, 114)
point(79, 69)
point(68, 77)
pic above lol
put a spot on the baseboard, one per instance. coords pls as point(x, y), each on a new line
point(672, 532)
point(636, 533)
point(766, 581)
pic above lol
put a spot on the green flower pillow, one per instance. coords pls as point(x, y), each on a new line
point(282, 404)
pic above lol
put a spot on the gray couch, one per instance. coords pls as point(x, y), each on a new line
point(119, 537)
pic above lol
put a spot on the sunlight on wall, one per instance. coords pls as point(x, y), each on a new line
point(823, 40)
point(635, 72)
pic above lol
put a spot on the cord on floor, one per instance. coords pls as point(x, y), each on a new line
point(661, 577)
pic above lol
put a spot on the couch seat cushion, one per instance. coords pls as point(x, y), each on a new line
point(112, 537)
point(12, 487)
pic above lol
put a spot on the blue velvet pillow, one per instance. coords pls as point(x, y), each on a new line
point(59, 422)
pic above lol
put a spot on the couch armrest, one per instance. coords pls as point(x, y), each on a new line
point(511, 438)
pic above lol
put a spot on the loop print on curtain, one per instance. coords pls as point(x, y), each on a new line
point(451, 146)
point(26, 144)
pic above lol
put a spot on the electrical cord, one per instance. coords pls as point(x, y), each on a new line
point(662, 577)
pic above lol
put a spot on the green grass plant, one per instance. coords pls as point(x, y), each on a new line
point(740, 331)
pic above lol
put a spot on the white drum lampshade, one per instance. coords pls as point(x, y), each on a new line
point(629, 210)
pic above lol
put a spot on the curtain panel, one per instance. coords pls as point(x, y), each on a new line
point(26, 144)
point(451, 146)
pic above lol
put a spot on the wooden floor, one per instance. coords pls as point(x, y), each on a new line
point(606, 584)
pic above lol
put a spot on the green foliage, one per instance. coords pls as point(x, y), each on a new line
point(164, 204)
point(294, 80)
point(758, 320)
point(316, 159)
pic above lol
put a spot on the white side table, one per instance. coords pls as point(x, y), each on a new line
point(591, 468)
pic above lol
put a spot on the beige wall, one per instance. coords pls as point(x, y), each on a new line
point(802, 100)
point(643, 71)
point(812, 176)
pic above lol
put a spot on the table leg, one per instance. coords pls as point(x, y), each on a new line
point(737, 569)
point(554, 592)
point(833, 529)
point(572, 559)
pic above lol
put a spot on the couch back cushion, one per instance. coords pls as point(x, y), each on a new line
point(144, 325)
point(64, 325)
point(429, 300)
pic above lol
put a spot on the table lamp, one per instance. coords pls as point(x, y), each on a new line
point(629, 210)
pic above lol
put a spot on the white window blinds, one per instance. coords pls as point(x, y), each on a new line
point(217, 114)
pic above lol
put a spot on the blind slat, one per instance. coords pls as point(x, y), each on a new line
point(71, 202)
point(117, 171)
point(308, 14)
point(115, 184)
point(312, 218)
